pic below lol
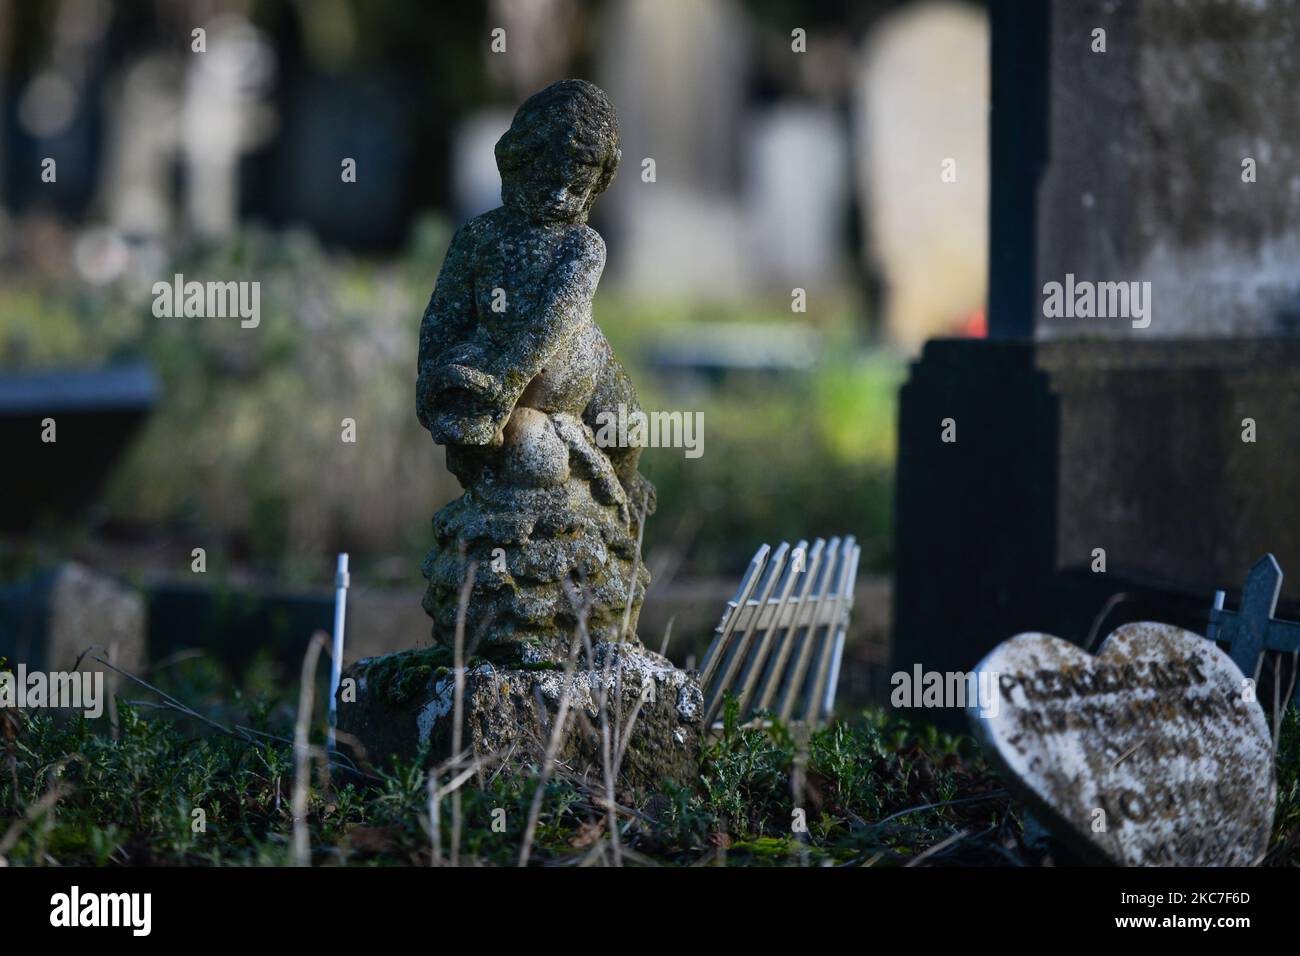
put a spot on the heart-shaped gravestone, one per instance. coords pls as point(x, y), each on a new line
point(1152, 753)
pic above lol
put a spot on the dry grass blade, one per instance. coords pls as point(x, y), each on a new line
point(607, 746)
point(636, 570)
point(627, 735)
point(10, 725)
point(668, 633)
point(458, 717)
point(798, 783)
point(607, 767)
point(302, 750)
point(602, 706)
point(1281, 702)
point(557, 729)
point(176, 704)
point(939, 847)
point(435, 795)
point(435, 821)
point(53, 794)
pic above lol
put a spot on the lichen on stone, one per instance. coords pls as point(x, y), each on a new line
point(513, 374)
point(511, 711)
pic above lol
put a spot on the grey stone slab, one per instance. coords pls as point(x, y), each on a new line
point(49, 621)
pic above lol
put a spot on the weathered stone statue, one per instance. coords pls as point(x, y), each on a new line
point(513, 374)
point(513, 371)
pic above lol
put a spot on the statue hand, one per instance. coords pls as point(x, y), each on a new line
point(605, 486)
point(462, 406)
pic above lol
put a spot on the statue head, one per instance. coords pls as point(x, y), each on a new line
point(560, 152)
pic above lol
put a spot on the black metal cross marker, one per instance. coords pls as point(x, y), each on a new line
point(1251, 629)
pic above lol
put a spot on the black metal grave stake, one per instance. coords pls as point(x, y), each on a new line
point(1251, 629)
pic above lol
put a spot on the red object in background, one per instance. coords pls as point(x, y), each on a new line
point(974, 326)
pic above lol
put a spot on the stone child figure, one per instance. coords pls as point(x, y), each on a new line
point(513, 372)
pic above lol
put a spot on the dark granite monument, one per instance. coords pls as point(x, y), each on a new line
point(1114, 466)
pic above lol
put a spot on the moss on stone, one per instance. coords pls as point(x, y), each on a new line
point(513, 394)
point(396, 677)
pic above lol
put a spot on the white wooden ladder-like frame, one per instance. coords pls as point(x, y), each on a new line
point(781, 638)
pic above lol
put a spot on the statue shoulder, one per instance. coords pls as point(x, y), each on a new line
point(583, 248)
point(588, 242)
point(472, 233)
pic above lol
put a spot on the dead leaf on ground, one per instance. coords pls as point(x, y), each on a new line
point(588, 833)
point(362, 839)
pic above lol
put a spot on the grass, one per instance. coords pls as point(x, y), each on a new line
point(873, 790)
point(162, 789)
point(136, 800)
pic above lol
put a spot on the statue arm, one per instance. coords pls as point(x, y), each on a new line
point(459, 398)
point(465, 394)
point(568, 293)
point(448, 320)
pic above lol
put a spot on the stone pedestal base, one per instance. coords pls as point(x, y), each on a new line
point(405, 701)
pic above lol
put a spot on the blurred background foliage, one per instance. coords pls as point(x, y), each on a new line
point(777, 170)
point(248, 438)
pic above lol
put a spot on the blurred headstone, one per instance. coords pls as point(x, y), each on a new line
point(677, 72)
point(922, 101)
point(475, 182)
point(46, 622)
point(540, 37)
point(798, 192)
point(225, 113)
point(331, 119)
point(144, 136)
point(56, 106)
